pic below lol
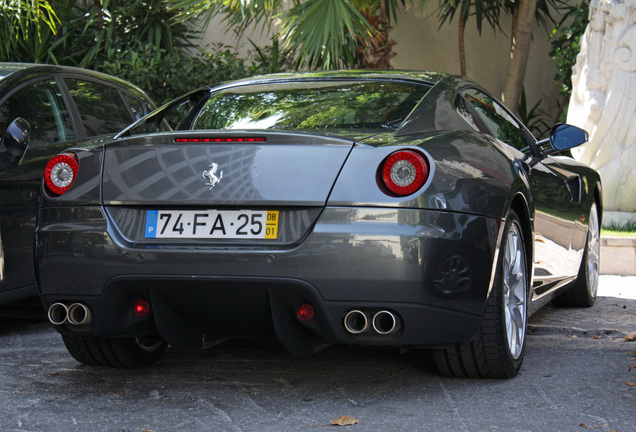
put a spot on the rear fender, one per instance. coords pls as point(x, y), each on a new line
point(468, 173)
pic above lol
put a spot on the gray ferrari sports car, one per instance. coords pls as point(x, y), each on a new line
point(406, 209)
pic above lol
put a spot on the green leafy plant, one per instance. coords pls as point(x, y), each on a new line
point(271, 58)
point(534, 118)
point(165, 75)
point(566, 43)
point(87, 34)
point(324, 34)
point(26, 26)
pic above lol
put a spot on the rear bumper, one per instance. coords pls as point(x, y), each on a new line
point(431, 269)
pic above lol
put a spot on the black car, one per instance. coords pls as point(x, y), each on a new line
point(392, 208)
point(44, 109)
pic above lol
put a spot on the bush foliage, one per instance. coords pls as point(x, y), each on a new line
point(139, 41)
point(566, 43)
point(164, 75)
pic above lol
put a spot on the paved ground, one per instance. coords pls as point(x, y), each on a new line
point(613, 314)
point(574, 378)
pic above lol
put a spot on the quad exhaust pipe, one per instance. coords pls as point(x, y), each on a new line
point(382, 322)
point(77, 314)
point(385, 322)
point(356, 322)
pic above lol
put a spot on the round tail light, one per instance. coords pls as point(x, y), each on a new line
point(305, 312)
point(403, 173)
point(142, 308)
point(60, 173)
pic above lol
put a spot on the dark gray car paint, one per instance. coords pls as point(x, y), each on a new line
point(20, 185)
point(364, 248)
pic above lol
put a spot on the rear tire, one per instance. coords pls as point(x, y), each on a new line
point(583, 291)
point(128, 353)
point(498, 349)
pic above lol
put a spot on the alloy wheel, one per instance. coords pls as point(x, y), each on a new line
point(593, 252)
point(514, 292)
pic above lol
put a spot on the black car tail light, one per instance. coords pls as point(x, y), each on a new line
point(60, 173)
point(403, 173)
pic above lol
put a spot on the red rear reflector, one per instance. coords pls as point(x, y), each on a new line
point(60, 173)
point(403, 173)
point(305, 312)
point(219, 139)
point(141, 308)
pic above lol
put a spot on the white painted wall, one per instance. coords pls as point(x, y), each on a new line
point(421, 45)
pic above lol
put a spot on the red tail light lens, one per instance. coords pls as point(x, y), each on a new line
point(219, 139)
point(60, 173)
point(403, 173)
point(305, 312)
point(141, 308)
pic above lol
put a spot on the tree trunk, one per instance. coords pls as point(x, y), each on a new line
point(378, 53)
point(462, 47)
point(519, 52)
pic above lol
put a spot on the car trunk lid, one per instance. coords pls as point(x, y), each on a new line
point(274, 169)
point(206, 189)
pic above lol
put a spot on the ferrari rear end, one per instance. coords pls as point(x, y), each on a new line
point(313, 236)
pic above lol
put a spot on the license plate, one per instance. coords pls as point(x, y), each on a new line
point(212, 224)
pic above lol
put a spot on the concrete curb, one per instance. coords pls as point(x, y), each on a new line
point(618, 256)
point(612, 316)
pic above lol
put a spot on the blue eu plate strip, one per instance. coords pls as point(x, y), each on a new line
point(151, 224)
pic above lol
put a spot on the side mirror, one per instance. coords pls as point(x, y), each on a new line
point(16, 139)
point(565, 137)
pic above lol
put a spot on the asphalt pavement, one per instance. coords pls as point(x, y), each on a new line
point(577, 375)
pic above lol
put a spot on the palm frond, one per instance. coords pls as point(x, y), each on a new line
point(323, 32)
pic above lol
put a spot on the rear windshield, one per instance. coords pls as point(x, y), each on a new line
point(311, 105)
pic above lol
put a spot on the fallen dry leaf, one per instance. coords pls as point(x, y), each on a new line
point(344, 421)
point(630, 338)
point(583, 425)
point(341, 421)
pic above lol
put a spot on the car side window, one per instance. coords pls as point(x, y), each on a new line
point(100, 107)
point(137, 107)
point(469, 115)
point(41, 104)
point(496, 118)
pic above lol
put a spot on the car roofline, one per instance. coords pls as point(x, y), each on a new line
point(25, 71)
point(428, 78)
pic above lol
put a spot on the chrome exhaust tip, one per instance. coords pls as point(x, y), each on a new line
point(79, 314)
point(356, 322)
point(57, 314)
point(385, 322)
